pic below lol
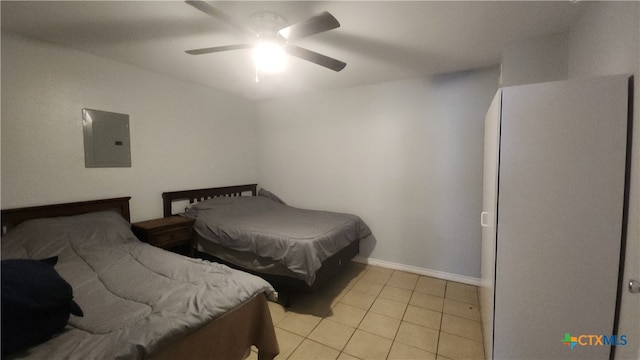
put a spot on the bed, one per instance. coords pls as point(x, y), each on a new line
point(138, 301)
point(294, 249)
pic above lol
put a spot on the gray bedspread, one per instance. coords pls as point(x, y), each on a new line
point(298, 238)
point(135, 297)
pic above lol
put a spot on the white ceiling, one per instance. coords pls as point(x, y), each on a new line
point(379, 40)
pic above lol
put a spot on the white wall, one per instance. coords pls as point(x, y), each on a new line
point(182, 135)
point(535, 60)
point(606, 40)
point(406, 156)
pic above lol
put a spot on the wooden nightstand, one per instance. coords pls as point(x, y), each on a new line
point(171, 233)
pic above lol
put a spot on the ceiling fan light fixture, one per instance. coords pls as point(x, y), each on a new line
point(269, 57)
point(284, 32)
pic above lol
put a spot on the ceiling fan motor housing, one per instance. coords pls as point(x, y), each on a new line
point(266, 24)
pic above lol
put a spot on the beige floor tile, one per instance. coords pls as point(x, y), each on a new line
point(287, 342)
point(313, 350)
point(368, 346)
point(349, 274)
point(440, 357)
point(352, 282)
point(301, 324)
point(463, 297)
point(467, 311)
point(380, 269)
point(468, 329)
point(462, 292)
point(418, 336)
point(339, 296)
point(401, 351)
point(460, 287)
point(368, 287)
point(252, 356)
point(458, 348)
point(431, 286)
point(396, 294)
point(389, 308)
point(403, 280)
point(405, 275)
point(277, 312)
point(426, 301)
point(358, 299)
point(423, 317)
point(347, 315)
point(380, 325)
point(377, 276)
point(332, 291)
point(345, 356)
point(332, 334)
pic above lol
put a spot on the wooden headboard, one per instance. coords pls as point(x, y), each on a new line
point(203, 194)
point(13, 217)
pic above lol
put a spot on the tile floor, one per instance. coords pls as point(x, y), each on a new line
point(370, 312)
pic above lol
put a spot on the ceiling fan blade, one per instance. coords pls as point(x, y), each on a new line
point(314, 57)
point(215, 13)
point(315, 25)
point(214, 49)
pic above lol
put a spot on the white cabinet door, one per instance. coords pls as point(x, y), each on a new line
point(560, 206)
point(488, 217)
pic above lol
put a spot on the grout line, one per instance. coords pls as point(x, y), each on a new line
point(401, 319)
point(441, 318)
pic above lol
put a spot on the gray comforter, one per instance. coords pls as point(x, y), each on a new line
point(299, 239)
point(135, 297)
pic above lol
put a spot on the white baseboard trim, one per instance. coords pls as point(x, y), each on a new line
point(418, 270)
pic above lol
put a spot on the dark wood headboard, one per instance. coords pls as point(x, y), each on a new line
point(203, 194)
point(13, 217)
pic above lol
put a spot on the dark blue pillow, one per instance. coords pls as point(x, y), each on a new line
point(36, 303)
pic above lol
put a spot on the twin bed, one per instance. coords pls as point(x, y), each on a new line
point(257, 232)
point(138, 301)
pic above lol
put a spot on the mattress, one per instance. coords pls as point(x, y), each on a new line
point(299, 239)
point(136, 298)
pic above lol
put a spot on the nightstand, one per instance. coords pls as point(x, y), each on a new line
point(171, 233)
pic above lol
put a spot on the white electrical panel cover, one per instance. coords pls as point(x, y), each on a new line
point(106, 139)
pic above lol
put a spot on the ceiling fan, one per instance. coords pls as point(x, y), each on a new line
point(272, 38)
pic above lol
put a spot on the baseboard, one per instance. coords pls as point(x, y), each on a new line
point(418, 270)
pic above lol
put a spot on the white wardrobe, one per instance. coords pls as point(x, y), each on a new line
point(553, 216)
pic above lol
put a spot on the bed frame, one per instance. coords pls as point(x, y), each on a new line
point(197, 195)
point(13, 217)
point(282, 283)
point(228, 337)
